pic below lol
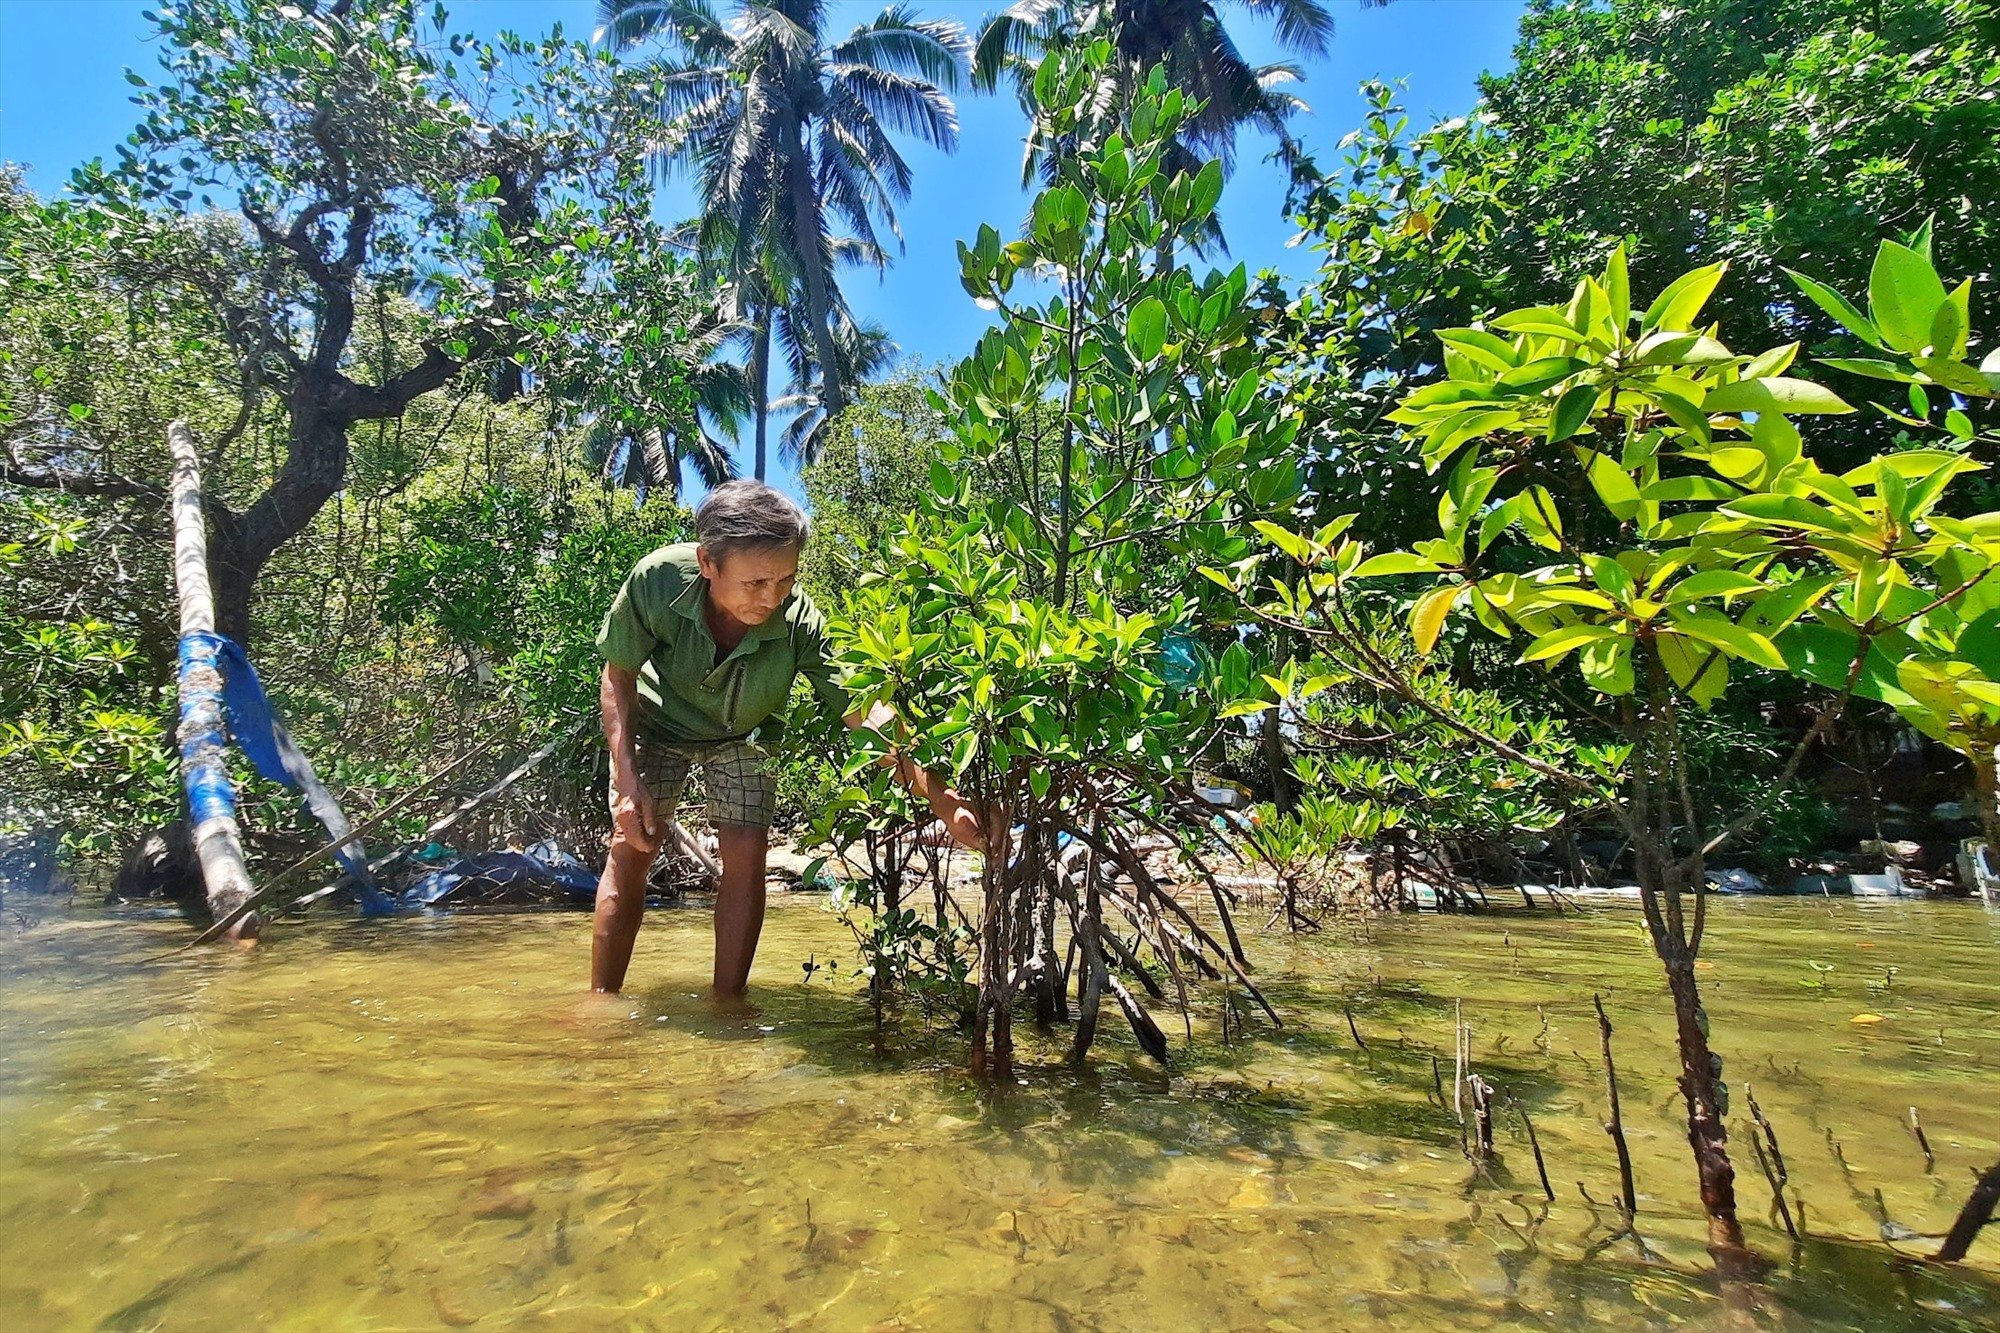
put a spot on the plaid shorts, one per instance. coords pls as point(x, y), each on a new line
point(739, 778)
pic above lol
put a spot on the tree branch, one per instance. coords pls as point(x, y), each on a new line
point(13, 472)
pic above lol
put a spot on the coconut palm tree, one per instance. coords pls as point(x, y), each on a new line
point(1188, 38)
point(864, 351)
point(789, 136)
point(646, 455)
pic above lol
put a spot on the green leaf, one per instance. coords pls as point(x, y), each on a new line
point(1427, 616)
point(1713, 628)
point(1775, 394)
point(1868, 366)
point(1618, 288)
point(1612, 484)
point(1607, 666)
point(1670, 348)
point(1843, 311)
point(944, 485)
point(1560, 642)
point(1146, 328)
point(1572, 411)
point(1493, 352)
point(1038, 782)
point(1544, 321)
point(1904, 292)
point(1676, 307)
point(1713, 583)
point(1395, 562)
point(1299, 548)
point(1207, 190)
point(1949, 325)
point(1824, 654)
point(1788, 511)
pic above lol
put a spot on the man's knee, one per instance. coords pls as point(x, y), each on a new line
point(623, 887)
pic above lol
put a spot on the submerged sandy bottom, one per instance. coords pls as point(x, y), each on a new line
point(417, 1124)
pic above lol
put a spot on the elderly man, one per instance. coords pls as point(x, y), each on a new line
point(700, 649)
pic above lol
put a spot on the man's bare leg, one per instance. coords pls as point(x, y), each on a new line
point(739, 905)
point(621, 901)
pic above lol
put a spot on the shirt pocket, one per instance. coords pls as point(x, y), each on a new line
point(757, 687)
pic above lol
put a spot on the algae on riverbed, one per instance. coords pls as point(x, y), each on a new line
point(420, 1122)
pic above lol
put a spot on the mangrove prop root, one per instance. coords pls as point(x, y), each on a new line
point(1978, 1211)
point(1352, 1029)
point(1777, 1187)
point(1628, 1194)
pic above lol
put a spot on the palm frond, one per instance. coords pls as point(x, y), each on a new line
point(1304, 26)
point(899, 42)
point(905, 104)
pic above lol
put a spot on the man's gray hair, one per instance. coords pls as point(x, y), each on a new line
point(749, 516)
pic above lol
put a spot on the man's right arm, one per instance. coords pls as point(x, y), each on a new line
point(633, 811)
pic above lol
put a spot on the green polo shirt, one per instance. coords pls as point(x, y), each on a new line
point(655, 627)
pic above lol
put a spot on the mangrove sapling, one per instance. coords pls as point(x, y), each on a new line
point(1021, 637)
point(1684, 534)
point(1938, 670)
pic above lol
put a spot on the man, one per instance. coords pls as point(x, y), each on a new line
point(700, 649)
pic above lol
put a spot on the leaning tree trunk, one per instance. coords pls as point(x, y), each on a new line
point(211, 798)
point(1276, 763)
point(240, 545)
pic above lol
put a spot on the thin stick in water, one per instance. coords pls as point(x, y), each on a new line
point(1615, 1126)
point(1917, 1128)
point(1534, 1146)
point(1772, 1162)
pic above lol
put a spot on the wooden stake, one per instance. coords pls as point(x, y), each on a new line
point(211, 798)
point(1458, 1057)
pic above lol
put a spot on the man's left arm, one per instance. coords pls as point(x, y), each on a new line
point(956, 813)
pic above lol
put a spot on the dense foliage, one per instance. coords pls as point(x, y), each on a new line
point(1628, 494)
point(1023, 638)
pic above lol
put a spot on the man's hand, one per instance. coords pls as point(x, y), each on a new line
point(635, 815)
point(961, 819)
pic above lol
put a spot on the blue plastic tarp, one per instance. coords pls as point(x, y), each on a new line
point(255, 728)
point(544, 864)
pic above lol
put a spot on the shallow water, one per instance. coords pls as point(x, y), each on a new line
point(421, 1123)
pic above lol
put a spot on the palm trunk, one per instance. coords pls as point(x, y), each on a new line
point(760, 386)
point(806, 232)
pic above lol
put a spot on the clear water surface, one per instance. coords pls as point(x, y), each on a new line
point(423, 1123)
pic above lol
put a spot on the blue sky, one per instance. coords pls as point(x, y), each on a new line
point(64, 100)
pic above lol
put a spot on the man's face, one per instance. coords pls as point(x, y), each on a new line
point(750, 585)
